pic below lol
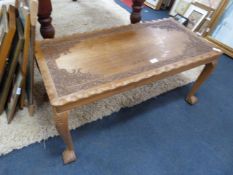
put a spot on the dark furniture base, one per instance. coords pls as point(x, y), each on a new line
point(45, 9)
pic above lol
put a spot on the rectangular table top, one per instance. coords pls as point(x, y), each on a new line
point(83, 65)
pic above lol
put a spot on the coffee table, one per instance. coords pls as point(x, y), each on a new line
point(84, 68)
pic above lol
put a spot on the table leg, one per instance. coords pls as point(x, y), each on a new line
point(61, 122)
point(208, 69)
point(136, 11)
point(44, 12)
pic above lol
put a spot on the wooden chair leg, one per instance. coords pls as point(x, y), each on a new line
point(208, 69)
point(61, 122)
point(136, 11)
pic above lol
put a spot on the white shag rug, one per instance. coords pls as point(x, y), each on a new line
point(70, 17)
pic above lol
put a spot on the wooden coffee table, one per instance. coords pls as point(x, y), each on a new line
point(84, 68)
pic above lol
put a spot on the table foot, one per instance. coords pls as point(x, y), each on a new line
point(208, 69)
point(61, 123)
point(31, 109)
point(192, 100)
point(47, 30)
point(68, 156)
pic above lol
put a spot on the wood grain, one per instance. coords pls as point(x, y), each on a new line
point(6, 44)
point(12, 65)
point(30, 67)
point(61, 122)
point(208, 69)
point(24, 62)
point(91, 64)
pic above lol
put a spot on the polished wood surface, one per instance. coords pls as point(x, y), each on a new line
point(85, 62)
point(83, 68)
point(45, 9)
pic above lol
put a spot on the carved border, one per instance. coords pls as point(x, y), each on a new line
point(134, 79)
point(84, 94)
point(81, 80)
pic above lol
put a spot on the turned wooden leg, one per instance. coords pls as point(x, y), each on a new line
point(208, 69)
point(44, 12)
point(136, 11)
point(61, 122)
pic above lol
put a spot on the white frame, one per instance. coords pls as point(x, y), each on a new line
point(155, 4)
point(220, 38)
point(192, 8)
point(210, 3)
point(175, 5)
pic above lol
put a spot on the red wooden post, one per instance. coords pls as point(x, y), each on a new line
point(136, 11)
point(44, 12)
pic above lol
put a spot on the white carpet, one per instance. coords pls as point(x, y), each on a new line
point(70, 17)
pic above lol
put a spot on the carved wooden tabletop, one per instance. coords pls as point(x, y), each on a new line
point(84, 64)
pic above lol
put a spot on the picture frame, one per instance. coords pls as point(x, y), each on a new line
point(196, 16)
point(30, 68)
point(8, 39)
point(15, 53)
point(166, 4)
point(154, 4)
point(201, 29)
point(3, 23)
point(14, 96)
point(24, 15)
point(221, 30)
point(181, 19)
point(180, 7)
point(210, 3)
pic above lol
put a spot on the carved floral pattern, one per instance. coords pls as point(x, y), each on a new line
point(67, 83)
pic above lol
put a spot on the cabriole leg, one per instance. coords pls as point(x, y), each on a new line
point(208, 69)
point(61, 122)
